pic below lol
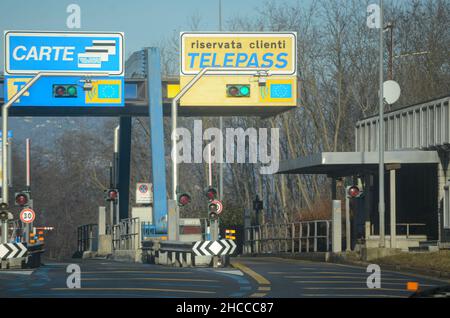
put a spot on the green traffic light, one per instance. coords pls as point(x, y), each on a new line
point(238, 90)
point(244, 90)
point(72, 91)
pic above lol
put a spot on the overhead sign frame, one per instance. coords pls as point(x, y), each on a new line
point(235, 36)
point(263, 63)
point(92, 57)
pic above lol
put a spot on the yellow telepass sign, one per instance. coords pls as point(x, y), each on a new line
point(275, 52)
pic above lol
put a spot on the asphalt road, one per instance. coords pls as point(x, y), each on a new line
point(278, 277)
point(105, 278)
point(250, 277)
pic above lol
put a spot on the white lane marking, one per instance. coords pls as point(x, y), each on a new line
point(345, 277)
point(232, 272)
point(346, 282)
point(353, 295)
point(12, 272)
point(357, 288)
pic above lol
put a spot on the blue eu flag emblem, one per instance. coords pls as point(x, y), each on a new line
point(108, 91)
point(281, 91)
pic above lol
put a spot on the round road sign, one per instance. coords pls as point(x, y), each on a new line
point(219, 206)
point(143, 188)
point(27, 215)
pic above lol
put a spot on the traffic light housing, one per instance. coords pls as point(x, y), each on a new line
point(354, 192)
point(111, 194)
point(211, 193)
point(215, 207)
point(238, 90)
point(257, 204)
point(183, 198)
point(65, 90)
point(212, 210)
point(22, 198)
point(5, 215)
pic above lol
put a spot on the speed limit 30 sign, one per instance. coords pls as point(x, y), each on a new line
point(27, 215)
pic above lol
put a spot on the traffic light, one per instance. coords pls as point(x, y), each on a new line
point(211, 193)
point(215, 207)
point(353, 192)
point(238, 90)
point(183, 198)
point(257, 204)
point(22, 198)
point(111, 194)
point(65, 90)
point(5, 215)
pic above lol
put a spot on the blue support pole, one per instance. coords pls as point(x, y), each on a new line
point(124, 165)
point(157, 140)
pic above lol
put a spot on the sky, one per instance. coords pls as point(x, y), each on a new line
point(145, 22)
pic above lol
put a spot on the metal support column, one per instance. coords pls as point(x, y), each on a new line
point(124, 165)
point(348, 240)
point(393, 211)
point(157, 140)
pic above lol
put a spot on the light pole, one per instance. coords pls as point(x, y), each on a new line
point(174, 110)
point(381, 201)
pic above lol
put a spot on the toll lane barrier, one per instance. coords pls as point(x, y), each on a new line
point(20, 255)
point(186, 254)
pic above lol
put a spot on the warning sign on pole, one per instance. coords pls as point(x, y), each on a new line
point(144, 193)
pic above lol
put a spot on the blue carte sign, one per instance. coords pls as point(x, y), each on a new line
point(28, 52)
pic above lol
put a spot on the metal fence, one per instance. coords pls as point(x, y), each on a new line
point(422, 126)
point(127, 234)
point(87, 237)
point(298, 237)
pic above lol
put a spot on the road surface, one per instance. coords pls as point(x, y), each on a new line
point(250, 277)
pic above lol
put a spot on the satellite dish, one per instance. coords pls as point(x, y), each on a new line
point(391, 92)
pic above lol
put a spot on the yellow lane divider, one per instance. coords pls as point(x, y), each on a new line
point(264, 287)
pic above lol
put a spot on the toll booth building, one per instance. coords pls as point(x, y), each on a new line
point(417, 174)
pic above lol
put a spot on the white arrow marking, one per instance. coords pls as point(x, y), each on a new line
point(14, 250)
point(23, 250)
point(3, 251)
point(227, 247)
point(233, 246)
point(195, 248)
point(203, 248)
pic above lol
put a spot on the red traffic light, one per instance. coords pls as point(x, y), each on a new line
point(211, 193)
point(21, 199)
point(60, 91)
point(353, 192)
point(112, 195)
point(184, 199)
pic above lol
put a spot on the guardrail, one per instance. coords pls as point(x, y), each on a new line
point(127, 234)
point(298, 237)
point(87, 237)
